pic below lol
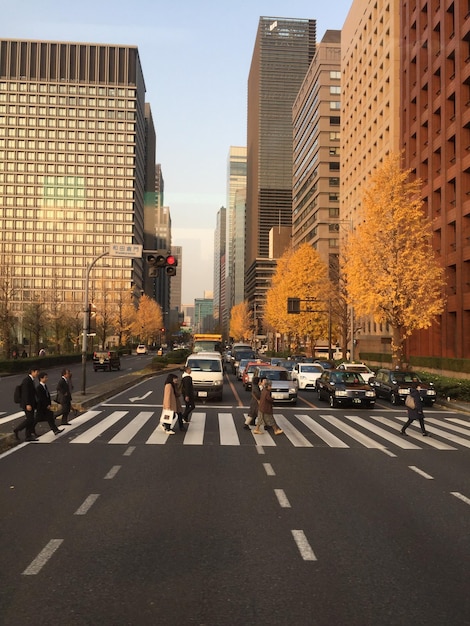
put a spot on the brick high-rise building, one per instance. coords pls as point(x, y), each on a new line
point(435, 72)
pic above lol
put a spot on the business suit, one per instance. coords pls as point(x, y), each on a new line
point(64, 397)
point(28, 404)
point(44, 412)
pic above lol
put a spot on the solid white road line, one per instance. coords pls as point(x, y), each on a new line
point(460, 497)
point(282, 498)
point(97, 430)
point(322, 432)
point(87, 504)
point(303, 545)
point(42, 557)
point(351, 432)
point(195, 434)
point(398, 440)
point(227, 431)
point(294, 436)
point(432, 443)
point(420, 472)
point(268, 468)
point(129, 431)
point(112, 472)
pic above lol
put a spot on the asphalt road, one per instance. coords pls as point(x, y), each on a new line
point(339, 521)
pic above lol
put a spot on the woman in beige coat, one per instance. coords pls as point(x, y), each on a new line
point(169, 400)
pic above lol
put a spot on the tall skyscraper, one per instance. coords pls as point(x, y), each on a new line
point(73, 153)
point(283, 50)
point(316, 158)
point(235, 236)
point(220, 255)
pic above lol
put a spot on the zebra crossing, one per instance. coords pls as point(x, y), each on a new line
point(301, 430)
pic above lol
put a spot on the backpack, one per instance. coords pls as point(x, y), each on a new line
point(17, 394)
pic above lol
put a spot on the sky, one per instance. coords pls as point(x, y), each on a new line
point(195, 56)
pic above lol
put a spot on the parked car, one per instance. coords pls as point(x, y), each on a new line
point(106, 360)
point(141, 349)
point(395, 385)
point(363, 370)
point(248, 372)
point(306, 374)
point(284, 389)
point(344, 388)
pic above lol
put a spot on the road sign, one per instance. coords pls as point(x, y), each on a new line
point(132, 251)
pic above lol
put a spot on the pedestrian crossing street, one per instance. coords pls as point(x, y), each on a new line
point(301, 430)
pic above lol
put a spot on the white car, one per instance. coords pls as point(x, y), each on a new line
point(141, 349)
point(362, 369)
point(306, 374)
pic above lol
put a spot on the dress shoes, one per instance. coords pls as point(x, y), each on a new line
point(66, 424)
point(403, 433)
point(32, 438)
point(59, 430)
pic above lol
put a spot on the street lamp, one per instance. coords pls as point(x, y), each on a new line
point(86, 310)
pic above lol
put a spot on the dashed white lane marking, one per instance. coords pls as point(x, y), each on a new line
point(269, 469)
point(87, 504)
point(282, 498)
point(260, 450)
point(129, 451)
point(303, 545)
point(112, 472)
point(42, 557)
point(460, 497)
point(420, 472)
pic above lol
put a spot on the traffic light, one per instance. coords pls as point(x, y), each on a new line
point(155, 261)
point(170, 265)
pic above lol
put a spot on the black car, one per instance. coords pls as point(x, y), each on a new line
point(344, 388)
point(106, 360)
point(395, 385)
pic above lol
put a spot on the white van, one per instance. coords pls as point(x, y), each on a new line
point(207, 373)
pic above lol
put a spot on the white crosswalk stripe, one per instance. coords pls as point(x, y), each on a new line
point(301, 430)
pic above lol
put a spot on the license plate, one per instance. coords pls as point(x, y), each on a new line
point(356, 400)
point(202, 394)
point(279, 396)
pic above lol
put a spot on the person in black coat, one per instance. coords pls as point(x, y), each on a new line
point(187, 390)
point(415, 413)
point(28, 404)
point(44, 413)
point(64, 395)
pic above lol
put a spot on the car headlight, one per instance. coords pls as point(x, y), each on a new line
point(431, 392)
point(370, 394)
point(403, 392)
point(341, 393)
point(292, 390)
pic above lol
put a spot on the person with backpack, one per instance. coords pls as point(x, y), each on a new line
point(28, 403)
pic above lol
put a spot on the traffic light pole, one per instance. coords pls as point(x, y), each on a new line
point(86, 305)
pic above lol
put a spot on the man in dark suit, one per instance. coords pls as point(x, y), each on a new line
point(188, 393)
point(64, 396)
point(28, 404)
point(44, 412)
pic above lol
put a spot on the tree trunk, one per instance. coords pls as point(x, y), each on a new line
point(397, 347)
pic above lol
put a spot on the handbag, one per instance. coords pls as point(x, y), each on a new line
point(167, 416)
point(410, 402)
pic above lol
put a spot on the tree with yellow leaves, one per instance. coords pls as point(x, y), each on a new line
point(300, 274)
point(391, 269)
point(241, 322)
point(148, 320)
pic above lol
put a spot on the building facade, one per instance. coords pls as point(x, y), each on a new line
point(220, 255)
point(316, 154)
point(435, 72)
point(73, 147)
point(283, 51)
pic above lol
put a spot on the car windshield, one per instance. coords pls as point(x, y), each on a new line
point(348, 378)
point(357, 368)
point(310, 369)
point(205, 365)
point(405, 377)
point(274, 374)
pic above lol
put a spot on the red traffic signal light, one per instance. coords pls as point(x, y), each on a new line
point(170, 265)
